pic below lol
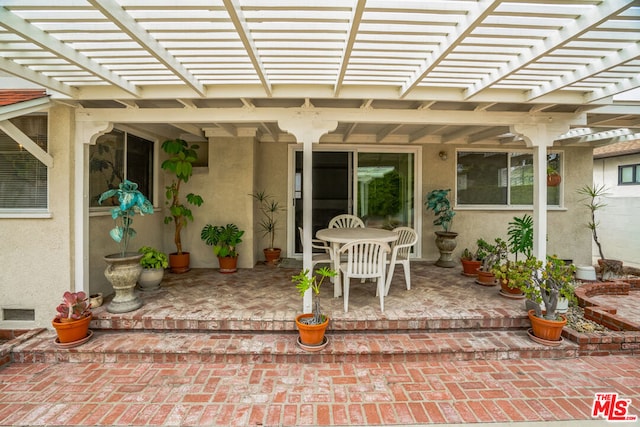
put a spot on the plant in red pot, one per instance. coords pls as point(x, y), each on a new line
point(225, 241)
point(270, 208)
point(312, 326)
point(470, 262)
point(492, 255)
point(544, 284)
point(73, 318)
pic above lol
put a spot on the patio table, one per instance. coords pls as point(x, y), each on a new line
point(340, 236)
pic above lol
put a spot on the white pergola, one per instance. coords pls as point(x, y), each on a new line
point(535, 72)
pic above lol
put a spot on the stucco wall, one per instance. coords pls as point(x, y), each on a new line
point(567, 235)
point(618, 227)
point(37, 256)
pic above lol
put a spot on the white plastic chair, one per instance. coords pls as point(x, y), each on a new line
point(323, 257)
point(407, 237)
point(346, 221)
point(365, 259)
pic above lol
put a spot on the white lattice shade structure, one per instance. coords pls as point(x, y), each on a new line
point(534, 57)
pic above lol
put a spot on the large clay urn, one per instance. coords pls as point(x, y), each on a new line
point(123, 272)
point(446, 243)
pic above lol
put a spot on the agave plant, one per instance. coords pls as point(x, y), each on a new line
point(75, 305)
point(131, 202)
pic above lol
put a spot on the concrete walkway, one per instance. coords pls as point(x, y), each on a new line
point(415, 393)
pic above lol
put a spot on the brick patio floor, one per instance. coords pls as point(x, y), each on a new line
point(176, 361)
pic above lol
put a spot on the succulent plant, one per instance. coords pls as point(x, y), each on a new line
point(75, 306)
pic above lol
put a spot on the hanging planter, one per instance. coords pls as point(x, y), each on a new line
point(553, 179)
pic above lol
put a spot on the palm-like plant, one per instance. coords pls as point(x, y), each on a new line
point(131, 202)
point(269, 222)
point(305, 281)
point(520, 234)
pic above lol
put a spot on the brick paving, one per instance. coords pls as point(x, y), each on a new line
point(447, 352)
point(266, 394)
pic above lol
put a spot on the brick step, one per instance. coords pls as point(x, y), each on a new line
point(214, 347)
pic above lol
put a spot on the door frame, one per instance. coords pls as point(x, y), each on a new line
point(292, 233)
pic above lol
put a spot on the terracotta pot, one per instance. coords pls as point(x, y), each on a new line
point(311, 334)
point(550, 330)
point(228, 264)
point(71, 331)
point(486, 278)
point(553, 180)
point(179, 263)
point(272, 256)
point(504, 286)
point(470, 268)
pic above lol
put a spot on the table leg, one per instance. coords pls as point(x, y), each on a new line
point(337, 282)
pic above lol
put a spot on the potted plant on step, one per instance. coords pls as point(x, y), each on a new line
point(224, 240)
point(123, 268)
point(438, 202)
point(470, 262)
point(547, 282)
point(180, 163)
point(492, 255)
point(611, 268)
point(520, 241)
point(72, 320)
point(153, 263)
point(269, 209)
point(312, 326)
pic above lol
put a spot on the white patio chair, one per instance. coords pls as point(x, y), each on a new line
point(364, 259)
point(346, 221)
point(407, 237)
point(323, 257)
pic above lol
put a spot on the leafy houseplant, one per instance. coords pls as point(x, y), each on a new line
point(131, 202)
point(123, 269)
point(153, 263)
point(72, 318)
point(438, 202)
point(312, 325)
point(224, 240)
point(180, 163)
point(269, 208)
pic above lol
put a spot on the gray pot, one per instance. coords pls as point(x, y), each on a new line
point(123, 272)
point(150, 279)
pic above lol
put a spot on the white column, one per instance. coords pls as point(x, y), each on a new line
point(85, 133)
point(307, 127)
point(539, 137)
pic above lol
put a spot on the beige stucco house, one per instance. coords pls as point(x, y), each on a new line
point(383, 102)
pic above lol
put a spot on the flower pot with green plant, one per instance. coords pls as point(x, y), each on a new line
point(123, 268)
point(72, 319)
point(224, 240)
point(611, 268)
point(312, 326)
point(553, 177)
point(493, 254)
point(153, 263)
point(438, 202)
point(268, 224)
point(520, 241)
point(470, 262)
point(180, 164)
point(544, 284)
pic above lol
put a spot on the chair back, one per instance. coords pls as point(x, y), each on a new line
point(346, 221)
point(407, 237)
point(365, 258)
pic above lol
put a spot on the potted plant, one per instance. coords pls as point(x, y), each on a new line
point(268, 223)
point(553, 177)
point(72, 319)
point(492, 256)
point(470, 262)
point(544, 283)
point(180, 163)
point(312, 326)
point(153, 263)
point(611, 268)
point(224, 240)
point(123, 268)
point(520, 241)
point(438, 202)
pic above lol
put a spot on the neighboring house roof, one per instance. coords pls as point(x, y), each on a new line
point(617, 149)
point(8, 97)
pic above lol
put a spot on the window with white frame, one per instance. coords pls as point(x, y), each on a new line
point(629, 174)
point(117, 156)
point(23, 178)
point(498, 178)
